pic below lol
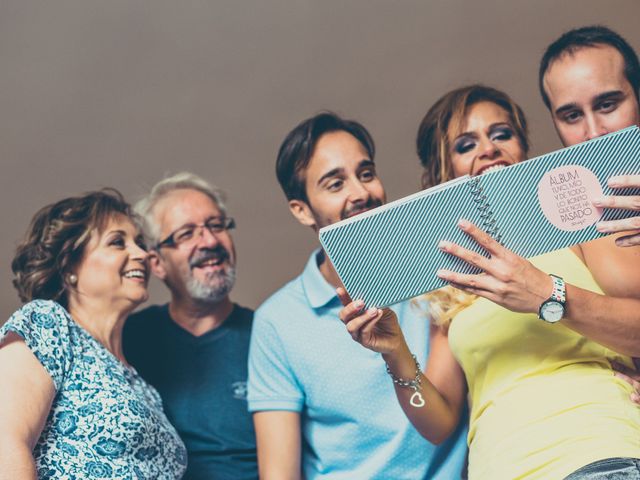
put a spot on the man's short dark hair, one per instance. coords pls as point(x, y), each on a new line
point(591, 36)
point(299, 145)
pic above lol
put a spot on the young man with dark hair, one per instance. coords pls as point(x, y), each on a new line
point(314, 393)
point(589, 78)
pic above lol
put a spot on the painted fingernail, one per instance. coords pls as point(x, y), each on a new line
point(372, 312)
point(443, 245)
point(442, 274)
point(359, 303)
point(463, 223)
point(598, 201)
point(602, 228)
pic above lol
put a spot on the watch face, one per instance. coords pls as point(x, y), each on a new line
point(551, 311)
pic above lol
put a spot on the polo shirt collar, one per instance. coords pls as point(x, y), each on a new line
point(318, 291)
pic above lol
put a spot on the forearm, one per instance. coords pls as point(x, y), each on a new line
point(279, 445)
point(610, 321)
point(437, 418)
point(16, 460)
point(275, 471)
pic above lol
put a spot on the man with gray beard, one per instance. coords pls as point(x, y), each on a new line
point(194, 349)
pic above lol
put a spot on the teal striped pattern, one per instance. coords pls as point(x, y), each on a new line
point(521, 223)
point(390, 254)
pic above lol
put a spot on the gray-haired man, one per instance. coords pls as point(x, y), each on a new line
point(194, 349)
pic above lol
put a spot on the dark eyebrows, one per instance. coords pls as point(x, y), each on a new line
point(329, 174)
point(465, 135)
point(611, 95)
point(500, 124)
point(112, 235)
point(566, 108)
point(365, 163)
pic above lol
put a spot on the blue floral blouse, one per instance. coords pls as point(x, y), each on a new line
point(105, 420)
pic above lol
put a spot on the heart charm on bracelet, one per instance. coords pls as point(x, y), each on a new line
point(416, 400)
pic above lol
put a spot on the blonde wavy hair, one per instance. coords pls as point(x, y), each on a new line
point(443, 121)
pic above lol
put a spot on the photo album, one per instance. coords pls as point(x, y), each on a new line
point(391, 253)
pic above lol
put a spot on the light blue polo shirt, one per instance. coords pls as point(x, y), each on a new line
point(302, 359)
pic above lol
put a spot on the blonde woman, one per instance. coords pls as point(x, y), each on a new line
point(544, 399)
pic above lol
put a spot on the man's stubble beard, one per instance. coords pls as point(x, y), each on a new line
point(214, 289)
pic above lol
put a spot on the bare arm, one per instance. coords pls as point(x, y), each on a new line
point(612, 319)
point(25, 401)
point(514, 283)
point(443, 386)
point(443, 391)
point(279, 444)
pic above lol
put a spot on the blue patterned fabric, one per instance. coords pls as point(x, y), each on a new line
point(105, 420)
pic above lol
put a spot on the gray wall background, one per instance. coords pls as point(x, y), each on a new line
point(119, 93)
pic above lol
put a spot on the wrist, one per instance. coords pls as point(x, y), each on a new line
point(553, 308)
point(400, 361)
point(543, 289)
point(413, 383)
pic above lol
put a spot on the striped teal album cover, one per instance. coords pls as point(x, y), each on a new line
point(390, 253)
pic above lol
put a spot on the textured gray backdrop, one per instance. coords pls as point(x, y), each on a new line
point(118, 93)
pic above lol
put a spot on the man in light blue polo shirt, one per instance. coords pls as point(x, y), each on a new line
point(323, 406)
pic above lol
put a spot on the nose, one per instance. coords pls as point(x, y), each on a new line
point(593, 127)
point(207, 238)
point(358, 192)
point(488, 149)
point(139, 254)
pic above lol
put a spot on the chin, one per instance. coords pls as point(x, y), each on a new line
point(138, 300)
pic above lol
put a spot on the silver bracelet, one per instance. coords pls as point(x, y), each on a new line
point(416, 400)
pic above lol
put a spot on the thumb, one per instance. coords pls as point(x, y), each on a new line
point(344, 297)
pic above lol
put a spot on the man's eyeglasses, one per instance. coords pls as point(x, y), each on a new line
point(191, 232)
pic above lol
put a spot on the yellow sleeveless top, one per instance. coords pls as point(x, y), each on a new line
point(544, 400)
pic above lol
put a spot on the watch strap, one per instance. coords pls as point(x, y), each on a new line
point(559, 293)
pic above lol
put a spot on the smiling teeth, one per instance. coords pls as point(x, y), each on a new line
point(135, 274)
point(493, 168)
point(211, 262)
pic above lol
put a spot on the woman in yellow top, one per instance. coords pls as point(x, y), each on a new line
point(544, 399)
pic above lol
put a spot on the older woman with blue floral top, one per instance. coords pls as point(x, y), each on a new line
point(70, 405)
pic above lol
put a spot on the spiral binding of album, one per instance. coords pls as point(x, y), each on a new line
point(489, 223)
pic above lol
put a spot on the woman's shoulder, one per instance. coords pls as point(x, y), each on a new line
point(45, 327)
point(38, 316)
point(39, 309)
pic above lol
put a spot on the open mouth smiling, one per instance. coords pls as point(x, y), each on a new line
point(492, 168)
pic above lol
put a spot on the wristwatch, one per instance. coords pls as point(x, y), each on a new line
point(552, 309)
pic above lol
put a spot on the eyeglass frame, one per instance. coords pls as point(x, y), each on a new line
point(228, 222)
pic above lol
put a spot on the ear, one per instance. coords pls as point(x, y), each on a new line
point(156, 263)
point(301, 210)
